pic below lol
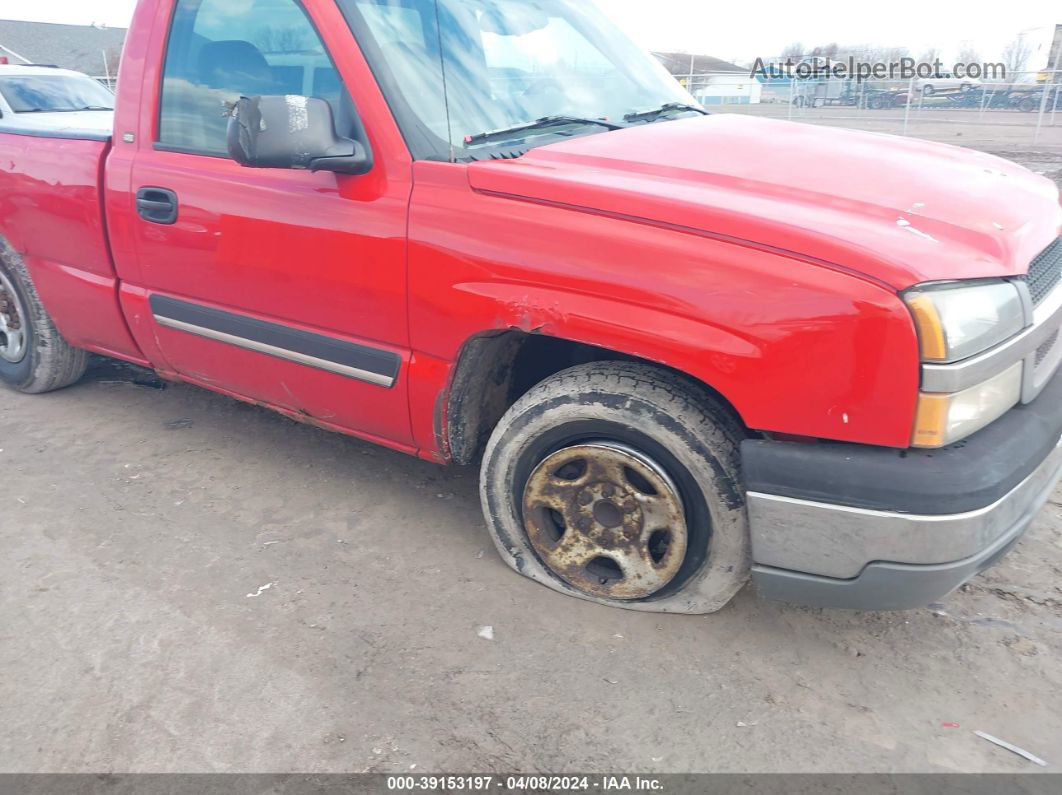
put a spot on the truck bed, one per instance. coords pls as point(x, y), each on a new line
point(51, 214)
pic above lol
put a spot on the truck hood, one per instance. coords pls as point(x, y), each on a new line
point(897, 210)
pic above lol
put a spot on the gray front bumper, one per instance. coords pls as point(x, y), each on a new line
point(826, 555)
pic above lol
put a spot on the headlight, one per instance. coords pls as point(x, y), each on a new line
point(956, 322)
point(945, 418)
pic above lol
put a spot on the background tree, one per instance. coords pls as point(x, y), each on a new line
point(930, 56)
point(1016, 56)
point(279, 40)
point(968, 54)
point(827, 50)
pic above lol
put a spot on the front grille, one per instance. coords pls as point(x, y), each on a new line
point(1045, 272)
point(1045, 349)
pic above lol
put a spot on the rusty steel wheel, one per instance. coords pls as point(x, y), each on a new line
point(606, 519)
point(619, 483)
point(12, 323)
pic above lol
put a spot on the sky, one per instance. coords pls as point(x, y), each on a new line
point(742, 30)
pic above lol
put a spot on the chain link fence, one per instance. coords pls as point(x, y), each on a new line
point(1026, 108)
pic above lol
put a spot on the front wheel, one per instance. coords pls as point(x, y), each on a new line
point(619, 483)
point(34, 357)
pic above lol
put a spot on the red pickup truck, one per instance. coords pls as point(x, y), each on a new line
point(685, 347)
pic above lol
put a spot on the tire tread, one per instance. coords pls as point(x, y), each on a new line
point(57, 363)
point(705, 428)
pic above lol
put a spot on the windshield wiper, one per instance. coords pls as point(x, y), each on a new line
point(95, 107)
point(667, 107)
point(539, 124)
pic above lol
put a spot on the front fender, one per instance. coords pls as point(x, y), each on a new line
point(796, 347)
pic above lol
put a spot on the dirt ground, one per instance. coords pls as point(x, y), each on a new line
point(992, 130)
point(1006, 133)
point(188, 583)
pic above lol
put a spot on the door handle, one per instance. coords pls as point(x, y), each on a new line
point(157, 205)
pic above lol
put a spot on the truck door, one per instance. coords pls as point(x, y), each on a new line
point(281, 286)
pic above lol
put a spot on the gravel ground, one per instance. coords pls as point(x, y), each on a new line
point(193, 584)
point(994, 130)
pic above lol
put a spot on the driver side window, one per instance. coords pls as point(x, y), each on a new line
point(220, 50)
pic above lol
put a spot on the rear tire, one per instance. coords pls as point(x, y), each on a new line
point(34, 357)
point(1027, 104)
point(620, 483)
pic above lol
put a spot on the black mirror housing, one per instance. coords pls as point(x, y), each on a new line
point(292, 132)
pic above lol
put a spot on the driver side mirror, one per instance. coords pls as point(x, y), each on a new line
point(292, 132)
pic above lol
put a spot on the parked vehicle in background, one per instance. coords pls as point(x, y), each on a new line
point(944, 82)
point(883, 99)
point(682, 347)
point(1031, 99)
point(44, 98)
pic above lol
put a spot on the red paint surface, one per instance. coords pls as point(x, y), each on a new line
point(760, 257)
point(900, 210)
point(50, 212)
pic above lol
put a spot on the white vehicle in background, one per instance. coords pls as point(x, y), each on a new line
point(944, 82)
point(43, 99)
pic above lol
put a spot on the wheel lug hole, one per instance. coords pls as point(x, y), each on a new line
point(586, 498)
point(608, 490)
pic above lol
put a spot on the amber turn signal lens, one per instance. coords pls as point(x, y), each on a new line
point(931, 420)
point(930, 329)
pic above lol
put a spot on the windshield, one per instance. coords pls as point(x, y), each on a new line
point(54, 93)
point(478, 66)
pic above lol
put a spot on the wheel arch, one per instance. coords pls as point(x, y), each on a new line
point(495, 368)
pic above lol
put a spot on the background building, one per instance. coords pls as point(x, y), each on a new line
point(1054, 59)
point(94, 50)
point(712, 81)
